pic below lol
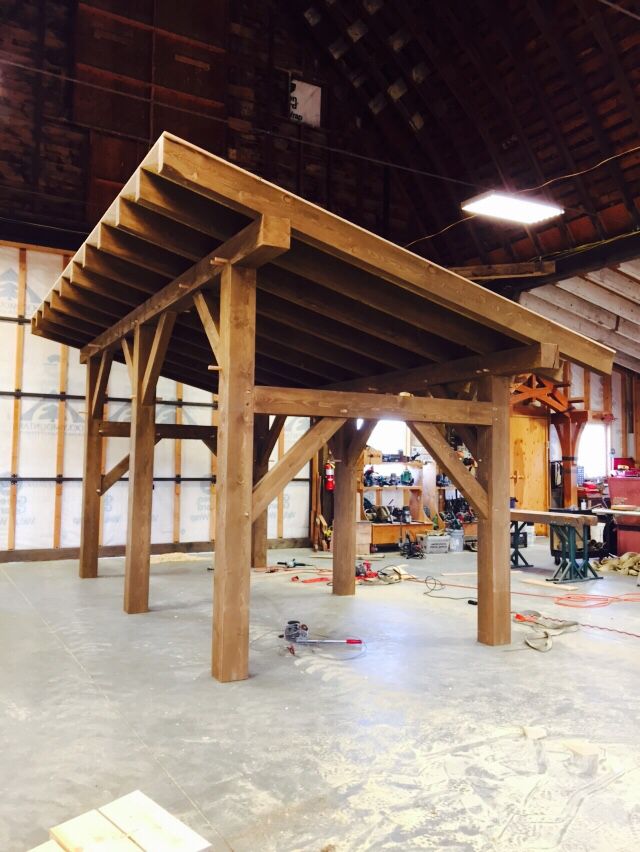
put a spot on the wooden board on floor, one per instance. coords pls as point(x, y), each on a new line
point(151, 826)
point(92, 831)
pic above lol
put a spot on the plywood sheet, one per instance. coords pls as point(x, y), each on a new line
point(151, 826)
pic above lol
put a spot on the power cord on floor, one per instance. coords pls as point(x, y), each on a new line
point(433, 584)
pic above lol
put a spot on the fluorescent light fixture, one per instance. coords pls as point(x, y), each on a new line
point(511, 208)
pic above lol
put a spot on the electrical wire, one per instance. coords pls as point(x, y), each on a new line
point(538, 187)
point(620, 9)
point(433, 584)
point(251, 130)
point(629, 597)
point(306, 143)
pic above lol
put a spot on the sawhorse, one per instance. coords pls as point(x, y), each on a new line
point(570, 569)
point(517, 559)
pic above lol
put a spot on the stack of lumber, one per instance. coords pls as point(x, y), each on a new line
point(128, 824)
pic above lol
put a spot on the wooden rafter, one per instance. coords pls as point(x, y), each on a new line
point(563, 53)
point(258, 243)
point(515, 47)
point(491, 271)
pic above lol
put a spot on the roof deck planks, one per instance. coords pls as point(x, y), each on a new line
point(336, 279)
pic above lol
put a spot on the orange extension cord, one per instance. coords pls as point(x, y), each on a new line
point(576, 601)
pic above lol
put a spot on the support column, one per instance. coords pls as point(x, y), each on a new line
point(569, 481)
point(143, 414)
point(349, 444)
point(343, 540)
point(90, 533)
point(494, 577)
point(260, 467)
point(230, 646)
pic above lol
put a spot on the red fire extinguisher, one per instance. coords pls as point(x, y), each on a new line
point(329, 476)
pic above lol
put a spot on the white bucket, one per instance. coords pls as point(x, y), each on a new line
point(456, 545)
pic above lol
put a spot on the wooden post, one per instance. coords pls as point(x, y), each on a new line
point(260, 467)
point(344, 517)
point(230, 646)
point(349, 445)
point(90, 533)
point(136, 577)
point(494, 599)
point(569, 481)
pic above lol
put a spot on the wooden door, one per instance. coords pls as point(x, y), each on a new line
point(529, 464)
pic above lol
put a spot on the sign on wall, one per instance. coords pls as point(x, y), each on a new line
point(305, 101)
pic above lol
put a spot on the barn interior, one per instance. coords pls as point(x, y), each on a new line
point(319, 425)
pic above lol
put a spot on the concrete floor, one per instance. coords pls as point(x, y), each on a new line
point(416, 744)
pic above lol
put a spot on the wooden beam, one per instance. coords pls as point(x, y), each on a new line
point(293, 460)
point(359, 440)
point(370, 406)
point(447, 459)
point(349, 444)
point(90, 530)
point(127, 351)
point(524, 269)
point(256, 244)
point(183, 431)
point(161, 338)
point(541, 358)
point(230, 642)
point(271, 439)
point(207, 311)
point(143, 440)
point(260, 468)
point(97, 402)
point(494, 570)
point(116, 473)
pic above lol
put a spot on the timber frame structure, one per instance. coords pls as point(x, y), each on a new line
point(214, 277)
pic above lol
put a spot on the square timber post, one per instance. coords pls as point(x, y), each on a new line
point(344, 515)
point(494, 571)
point(260, 467)
point(90, 533)
point(142, 444)
point(231, 579)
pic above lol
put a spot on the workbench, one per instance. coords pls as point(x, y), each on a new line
point(574, 567)
point(386, 535)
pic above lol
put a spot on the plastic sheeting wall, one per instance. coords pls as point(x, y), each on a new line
point(42, 415)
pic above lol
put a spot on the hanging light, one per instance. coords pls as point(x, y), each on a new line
point(511, 208)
